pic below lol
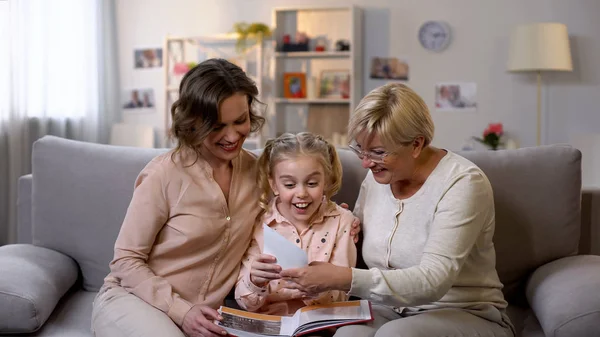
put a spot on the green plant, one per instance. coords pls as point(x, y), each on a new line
point(249, 30)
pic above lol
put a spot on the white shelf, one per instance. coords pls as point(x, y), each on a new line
point(312, 100)
point(216, 39)
point(314, 54)
point(320, 115)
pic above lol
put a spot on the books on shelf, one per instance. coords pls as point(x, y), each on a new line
point(306, 320)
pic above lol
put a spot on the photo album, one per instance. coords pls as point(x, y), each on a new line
point(306, 320)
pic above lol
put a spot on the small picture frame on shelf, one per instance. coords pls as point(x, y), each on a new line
point(294, 85)
point(334, 83)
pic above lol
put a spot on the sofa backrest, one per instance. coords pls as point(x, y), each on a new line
point(537, 197)
point(80, 194)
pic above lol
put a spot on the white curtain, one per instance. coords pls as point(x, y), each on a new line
point(57, 68)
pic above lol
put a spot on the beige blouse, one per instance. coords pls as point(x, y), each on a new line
point(181, 242)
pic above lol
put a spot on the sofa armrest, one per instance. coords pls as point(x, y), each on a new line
point(564, 296)
point(32, 281)
point(24, 228)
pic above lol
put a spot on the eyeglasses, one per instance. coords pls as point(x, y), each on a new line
point(377, 157)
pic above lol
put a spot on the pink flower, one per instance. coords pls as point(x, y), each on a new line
point(496, 128)
point(180, 68)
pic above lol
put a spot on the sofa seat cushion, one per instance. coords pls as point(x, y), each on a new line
point(32, 281)
point(524, 321)
point(72, 316)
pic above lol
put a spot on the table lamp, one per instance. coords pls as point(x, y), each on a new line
point(539, 47)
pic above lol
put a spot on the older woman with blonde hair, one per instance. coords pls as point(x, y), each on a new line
point(428, 223)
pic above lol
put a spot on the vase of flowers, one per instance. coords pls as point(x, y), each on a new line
point(492, 136)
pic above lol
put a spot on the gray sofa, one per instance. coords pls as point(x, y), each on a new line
point(71, 208)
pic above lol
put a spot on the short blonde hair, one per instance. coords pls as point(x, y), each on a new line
point(289, 146)
point(395, 113)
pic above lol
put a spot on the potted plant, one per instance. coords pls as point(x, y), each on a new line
point(491, 136)
point(250, 30)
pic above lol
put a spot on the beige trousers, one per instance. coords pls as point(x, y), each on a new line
point(435, 323)
point(118, 313)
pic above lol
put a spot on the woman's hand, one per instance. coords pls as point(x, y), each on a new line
point(198, 322)
point(355, 225)
point(263, 270)
point(318, 277)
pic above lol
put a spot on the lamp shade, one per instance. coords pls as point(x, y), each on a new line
point(540, 46)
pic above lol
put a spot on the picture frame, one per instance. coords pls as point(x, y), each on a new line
point(334, 83)
point(455, 96)
point(390, 68)
point(147, 58)
point(138, 98)
point(294, 85)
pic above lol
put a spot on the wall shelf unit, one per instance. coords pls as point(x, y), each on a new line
point(320, 111)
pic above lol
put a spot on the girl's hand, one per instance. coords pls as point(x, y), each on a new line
point(198, 322)
point(263, 270)
point(355, 225)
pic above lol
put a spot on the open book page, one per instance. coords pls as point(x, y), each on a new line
point(247, 324)
point(306, 320)
point(317, 317)
point(288, 255)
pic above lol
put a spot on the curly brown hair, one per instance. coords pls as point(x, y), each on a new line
point(201, 92)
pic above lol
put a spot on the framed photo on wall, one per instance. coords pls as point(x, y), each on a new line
point(147, 58)
point(334, 84)
point(294, 85)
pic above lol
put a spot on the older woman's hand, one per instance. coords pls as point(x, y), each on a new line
point(318, 277)
point(355, 225)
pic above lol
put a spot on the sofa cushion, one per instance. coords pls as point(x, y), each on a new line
point(81, 192)
point(565, 296)
point(71, 318)
point(537, 193)
point(32, 281)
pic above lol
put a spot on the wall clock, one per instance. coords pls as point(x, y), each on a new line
point(434, 35)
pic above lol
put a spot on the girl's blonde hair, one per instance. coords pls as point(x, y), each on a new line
point(289, 146)
point(395, 113)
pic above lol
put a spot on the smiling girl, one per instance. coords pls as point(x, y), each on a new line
point(302, 172)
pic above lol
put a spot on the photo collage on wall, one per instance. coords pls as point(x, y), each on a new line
point(142, 100)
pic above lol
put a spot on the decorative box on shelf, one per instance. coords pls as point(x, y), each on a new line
point(290, 47)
